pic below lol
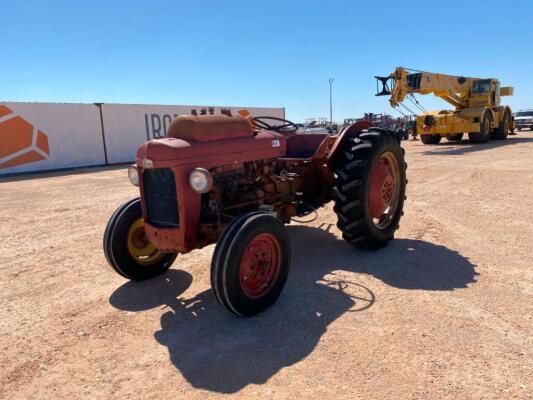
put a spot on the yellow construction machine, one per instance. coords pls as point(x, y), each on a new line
point(477, 105)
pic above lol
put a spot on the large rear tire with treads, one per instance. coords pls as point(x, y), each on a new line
point(370, 188)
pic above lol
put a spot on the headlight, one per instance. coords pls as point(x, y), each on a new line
point(147, 163)
point(133, 175)
point(201, 180)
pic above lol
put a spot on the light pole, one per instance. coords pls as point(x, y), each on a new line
point(331, 101)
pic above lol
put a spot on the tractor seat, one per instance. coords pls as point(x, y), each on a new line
point(209, 128)
point(304, 145)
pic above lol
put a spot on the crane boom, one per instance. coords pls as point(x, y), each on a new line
point(456, 90)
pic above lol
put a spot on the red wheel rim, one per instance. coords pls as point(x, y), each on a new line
point(260, 265)
point(384, 190)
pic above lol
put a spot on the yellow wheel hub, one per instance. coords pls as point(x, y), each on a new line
point(139, 247)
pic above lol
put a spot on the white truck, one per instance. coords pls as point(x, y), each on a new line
point(523, 119)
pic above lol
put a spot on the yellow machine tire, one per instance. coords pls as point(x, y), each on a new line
point(430, 139)
point(455, 137)
point(485, 129)
point(501, 132)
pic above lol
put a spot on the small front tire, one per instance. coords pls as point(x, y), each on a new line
point(250, 264)
point(127, 249)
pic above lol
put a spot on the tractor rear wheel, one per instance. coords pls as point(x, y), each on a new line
point(126, 247)
point(250, 264)
point(370, 188)
point(455, 137)
point(501, 132)
point(430, 139)
point(485, 128)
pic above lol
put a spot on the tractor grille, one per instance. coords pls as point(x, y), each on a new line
point(160, 197)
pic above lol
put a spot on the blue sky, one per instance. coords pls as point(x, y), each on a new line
point(267, 53)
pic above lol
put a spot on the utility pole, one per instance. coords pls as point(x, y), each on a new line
point(331, 101)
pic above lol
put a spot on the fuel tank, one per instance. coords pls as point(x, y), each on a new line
point(207, 128)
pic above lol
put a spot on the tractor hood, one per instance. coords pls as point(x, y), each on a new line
point(171, 152)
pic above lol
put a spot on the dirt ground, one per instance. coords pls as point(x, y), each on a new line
point(444, 312)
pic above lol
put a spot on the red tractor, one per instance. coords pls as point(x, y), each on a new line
point(235, 181)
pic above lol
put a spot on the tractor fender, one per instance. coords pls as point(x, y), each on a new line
point(349, 132)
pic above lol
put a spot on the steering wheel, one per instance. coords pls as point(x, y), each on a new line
point(286, 126)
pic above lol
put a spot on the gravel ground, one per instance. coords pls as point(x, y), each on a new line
point(445, 311)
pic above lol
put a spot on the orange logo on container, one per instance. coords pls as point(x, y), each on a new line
point(20, 142)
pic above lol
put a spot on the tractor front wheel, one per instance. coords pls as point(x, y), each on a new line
point(370, 188)
point(250, 264)
point(127, 249)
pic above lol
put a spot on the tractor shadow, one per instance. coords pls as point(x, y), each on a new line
point(465, 147)
point(218, 352)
